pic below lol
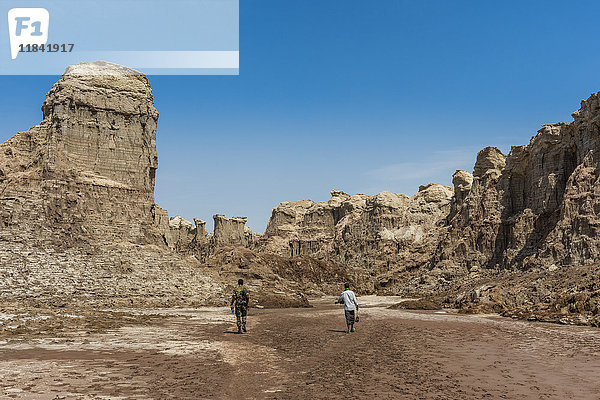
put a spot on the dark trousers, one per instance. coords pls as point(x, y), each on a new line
point(349, 317)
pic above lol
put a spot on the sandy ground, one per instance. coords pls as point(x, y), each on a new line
point(305, 354)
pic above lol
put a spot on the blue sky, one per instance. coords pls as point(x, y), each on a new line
point(364, 97)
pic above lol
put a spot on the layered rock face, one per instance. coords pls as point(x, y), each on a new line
point(502, 240)
point(77, 212)
point(379, 233)
point(103, 121)
point(537, 206)
point(78, 219)
point(88, 167)
point(230, 231)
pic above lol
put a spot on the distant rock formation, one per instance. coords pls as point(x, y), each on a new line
point(230, 231)
point(539, 205)
point(78, 222)
point(377, 233)
point(200, 232)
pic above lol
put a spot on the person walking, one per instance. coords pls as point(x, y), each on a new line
point(350, 307)
point(240, 301)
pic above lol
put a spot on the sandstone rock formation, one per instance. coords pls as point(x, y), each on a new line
point(230, 231)
point(90, 163)
point(77, 212)
point(378, 233)
point(536, 206)
point(535, 209)
point(78, 220)
point(463, 182)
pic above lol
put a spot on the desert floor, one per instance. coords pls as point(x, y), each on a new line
point(305, 354)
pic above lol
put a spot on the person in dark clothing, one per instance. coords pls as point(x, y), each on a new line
point(240, 301)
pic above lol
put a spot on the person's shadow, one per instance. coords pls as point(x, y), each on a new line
point(336, 331)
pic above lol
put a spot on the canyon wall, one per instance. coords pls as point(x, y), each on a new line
point(536, 207)
point(377, 233)
point(78, 217)
point(77, 212)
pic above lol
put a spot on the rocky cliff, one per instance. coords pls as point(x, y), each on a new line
point(78, 220)
point(518, 233)
point(378, 234)
point(88, 167)
point(536, 207)
point(77, 212)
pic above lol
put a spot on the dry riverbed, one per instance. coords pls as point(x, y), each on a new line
point(300, 353)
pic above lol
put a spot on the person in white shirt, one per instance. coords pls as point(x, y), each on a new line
point(350, 307)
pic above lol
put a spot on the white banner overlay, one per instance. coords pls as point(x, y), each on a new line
point(164, 37)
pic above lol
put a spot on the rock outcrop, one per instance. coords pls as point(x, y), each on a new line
point(77, 212)
point(505, 239)
point(88, 168)
point(463, 182)
point(78, 220)
point(230, 231)
point(537, 206)
point(379, 233)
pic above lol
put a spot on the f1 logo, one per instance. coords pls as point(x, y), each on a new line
point(27, 26)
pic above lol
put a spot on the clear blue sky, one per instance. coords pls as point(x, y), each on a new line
point(358, 96)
